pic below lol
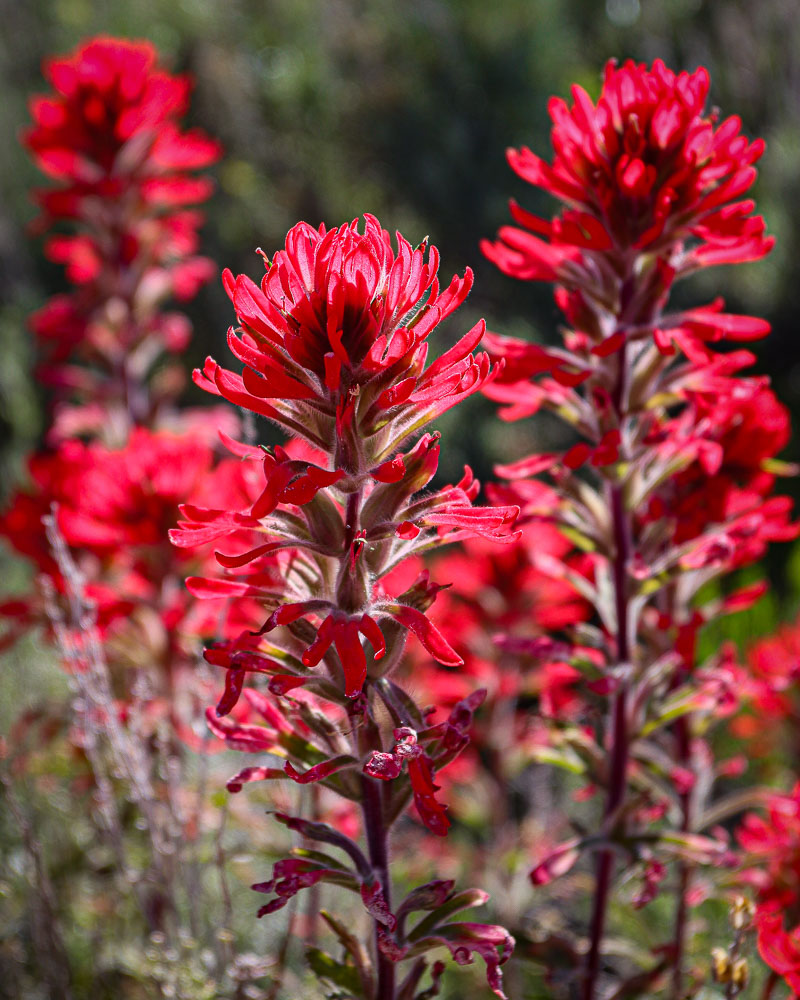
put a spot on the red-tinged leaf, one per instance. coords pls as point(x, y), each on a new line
point(407, 529)
point(228, 282)
point(234, 680)
point(351, 654)
point(745, 597)
point(288, 613)
point(207, 589)
point(456, 353)
point(281, 684)
point(383, 766)
point(370, 628)
point(527, 467)
point(577, 455)
point(241, 736)
point(233, 561)
point(570, 379)
point(267, 710)
point(398, 394)
point(253, 307)
point(333, 371)
point(320, 646)
point(427, 633)
point(375, 903)
point(557, 863)
point(391, 471)
point(324, 477)
point(231, 387)
point(275, 385)
point(319, 771)
point(249, 774)
point(189, 536)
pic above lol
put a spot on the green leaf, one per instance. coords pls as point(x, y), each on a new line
point(325, 967)
point(566, 759)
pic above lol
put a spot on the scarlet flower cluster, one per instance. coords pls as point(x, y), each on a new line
point(334, 348)
point(668, 484)
point(109, 136)
point(644, 171)
point(114, 508)
point(772, 843)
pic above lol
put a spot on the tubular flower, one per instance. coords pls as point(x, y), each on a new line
point(334, 340)
point(646, 170)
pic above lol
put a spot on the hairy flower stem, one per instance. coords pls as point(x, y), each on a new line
point(618, 769)
point(377, 834)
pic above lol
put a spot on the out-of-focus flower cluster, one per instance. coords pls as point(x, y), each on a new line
point(110, 137)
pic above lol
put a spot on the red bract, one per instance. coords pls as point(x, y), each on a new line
point(115, 112)
point(665, 482)
point(110, 138)
point(773, 844)
point(334, 340)
point(645, 169)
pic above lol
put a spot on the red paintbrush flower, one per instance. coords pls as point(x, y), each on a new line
point(109, 136)
point(114, 116)
point(334, 341)
point(773, 846)
point(646, 169)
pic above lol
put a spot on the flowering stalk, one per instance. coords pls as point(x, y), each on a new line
point(109, 136)
point(109, 590)
point(667, 487)
point(334, 347)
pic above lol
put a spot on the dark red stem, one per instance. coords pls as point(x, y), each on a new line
point(377, 834)
point(684, 872)
point(619, 749)
point(770, 985)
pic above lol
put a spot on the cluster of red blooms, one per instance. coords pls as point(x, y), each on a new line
point(668, 485)
point(772, 843)
point(583, 597)
point(334, 344)
point(110, 137)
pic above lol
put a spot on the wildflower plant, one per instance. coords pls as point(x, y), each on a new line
point(668, 484)
point(351, 660)
point(92, 521)
point(334, 344)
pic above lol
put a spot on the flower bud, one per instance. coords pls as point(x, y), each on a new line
point(721, 968)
